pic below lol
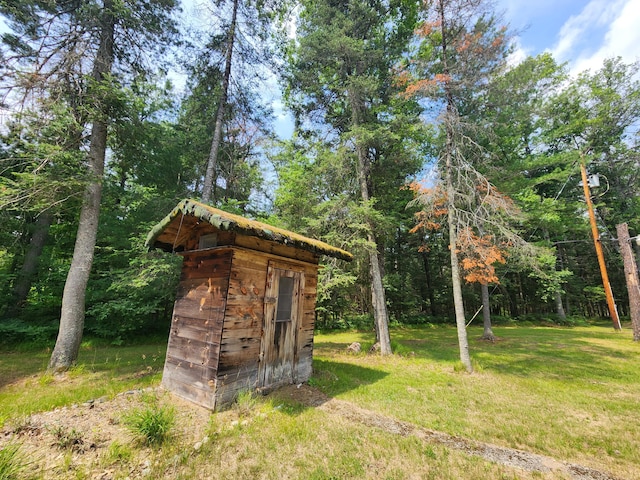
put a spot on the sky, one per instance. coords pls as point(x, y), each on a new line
point(580, 32)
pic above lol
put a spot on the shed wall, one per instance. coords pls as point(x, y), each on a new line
point(244, 322)
point(191, 366)
point(218, 320)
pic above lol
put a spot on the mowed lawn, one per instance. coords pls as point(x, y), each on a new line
point(568, 393)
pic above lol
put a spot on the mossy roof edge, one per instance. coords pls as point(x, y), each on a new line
point(230, 222)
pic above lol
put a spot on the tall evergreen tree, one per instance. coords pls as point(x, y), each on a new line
point(515, 122)
point(340, 79)
point(207, 187)
point(242, 43)
point(40, 168)
point(462, 47)
point(236, 175)
point(85, 40)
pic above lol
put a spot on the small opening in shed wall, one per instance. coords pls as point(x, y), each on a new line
point(208, 241)
point(285, 299)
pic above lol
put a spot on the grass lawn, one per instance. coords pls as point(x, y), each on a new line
point(102, 370)
point(568, 393)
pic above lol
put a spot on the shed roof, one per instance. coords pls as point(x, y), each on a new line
point(236, 223)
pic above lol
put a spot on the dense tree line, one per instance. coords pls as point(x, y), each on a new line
point(451, 174)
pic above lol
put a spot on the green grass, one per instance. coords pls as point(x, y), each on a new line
point(569, 393)
point(13, 463)
point(101, 371)
point(153, 423)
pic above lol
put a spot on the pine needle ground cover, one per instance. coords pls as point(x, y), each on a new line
point(567, 393)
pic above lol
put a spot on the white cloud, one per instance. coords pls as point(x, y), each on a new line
point(579, 28)
point(622, 39)
point(518, 55)
point(582, 43)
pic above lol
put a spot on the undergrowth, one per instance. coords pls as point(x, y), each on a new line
point(13, 463)
point(67, 438)
point(151, 424)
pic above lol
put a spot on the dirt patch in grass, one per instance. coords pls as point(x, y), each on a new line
point(82, 437)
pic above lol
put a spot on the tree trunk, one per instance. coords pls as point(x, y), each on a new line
point(207, 188)
point(432, 300)
point(486, 313)
point(562, 255)
point(562, 316)
point(461, 323)
point(25, 277)
point(558, 294)
point(631, 275)
point(378, 300)
point(451, 113)
point(67, 345)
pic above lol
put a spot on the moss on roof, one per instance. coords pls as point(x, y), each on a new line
point(236, 223)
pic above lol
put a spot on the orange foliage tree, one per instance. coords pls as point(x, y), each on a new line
point(461, 47)
point(478, 251)
point(479, 254)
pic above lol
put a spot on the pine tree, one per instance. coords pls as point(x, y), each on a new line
point(86, 41)
point(462, 48)
point(339, 81)
point(242, 45)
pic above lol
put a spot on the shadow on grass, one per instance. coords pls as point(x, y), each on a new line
point(18, 365)
point(560, 358)
point(334, 378)
point(329, 379)
point(591, 354)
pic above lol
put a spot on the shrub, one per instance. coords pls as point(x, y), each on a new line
point(118, 453)
point(14, 331)
point(344, 322)
point(67, 438)
point(245, 402)
point(12, 462)
point(152, 423)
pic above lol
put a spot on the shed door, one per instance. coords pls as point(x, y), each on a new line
point(282, 306)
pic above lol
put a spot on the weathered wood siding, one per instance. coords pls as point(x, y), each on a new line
point(214, 348)
point(191, 366)
point(306, 326)
point(242, 333)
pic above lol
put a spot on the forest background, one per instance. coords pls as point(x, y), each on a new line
point(392, 102)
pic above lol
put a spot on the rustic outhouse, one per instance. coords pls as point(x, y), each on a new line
point(244, 313)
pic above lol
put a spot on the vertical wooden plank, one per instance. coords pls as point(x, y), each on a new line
point(268, 329)
point(304, 361)
point(194, 341)
point(279, 343)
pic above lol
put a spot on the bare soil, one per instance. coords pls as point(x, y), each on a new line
point(90, 429)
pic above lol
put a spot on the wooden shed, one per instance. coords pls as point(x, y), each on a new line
point(245, 309)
